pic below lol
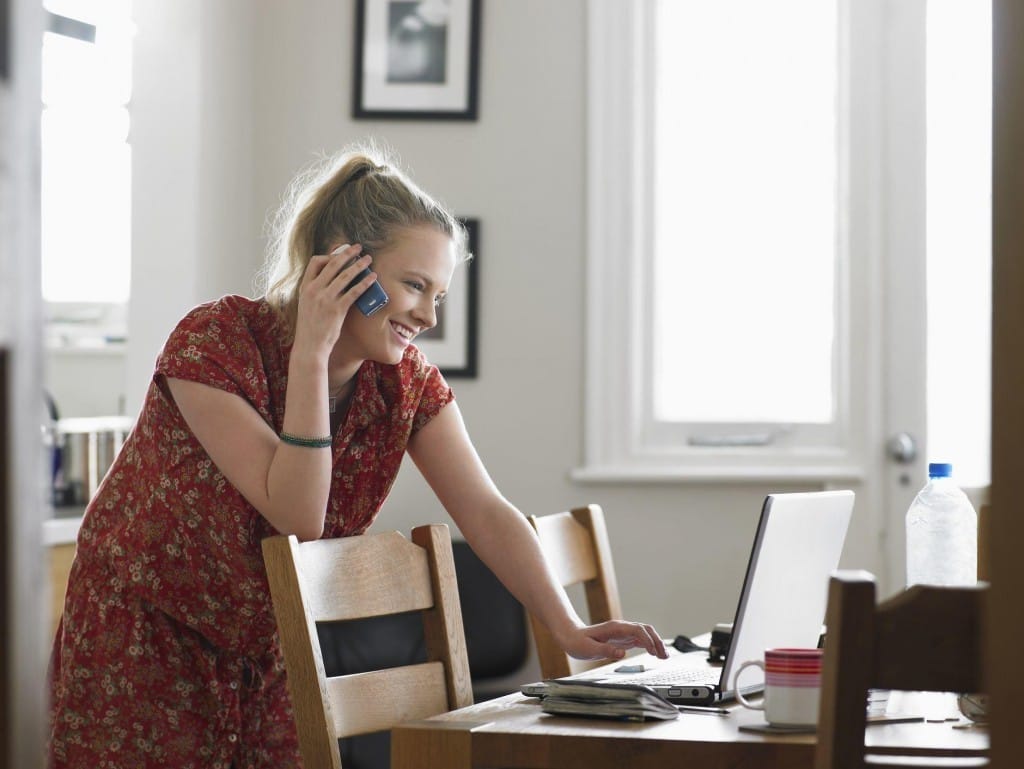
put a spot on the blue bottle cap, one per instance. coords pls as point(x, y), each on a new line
point(940, 470)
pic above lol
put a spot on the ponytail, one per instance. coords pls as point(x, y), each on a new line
point(358, 196)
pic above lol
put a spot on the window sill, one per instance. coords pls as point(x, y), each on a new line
point(85, 328)
point(721, 474)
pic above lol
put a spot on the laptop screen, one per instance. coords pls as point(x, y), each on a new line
point(797, 547)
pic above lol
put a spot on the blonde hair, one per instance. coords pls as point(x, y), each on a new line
point(358, 196)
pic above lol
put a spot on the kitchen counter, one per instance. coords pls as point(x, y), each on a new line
point(62, 529)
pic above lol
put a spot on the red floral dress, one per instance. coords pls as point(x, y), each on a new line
point(167, 653)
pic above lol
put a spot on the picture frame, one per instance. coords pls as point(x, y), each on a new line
point(416, 60)
point(451, 344)
point(5, 64)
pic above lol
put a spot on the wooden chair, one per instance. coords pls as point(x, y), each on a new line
point(984, 526)
point(576, 544)
point(357, 577)
point(925, 639)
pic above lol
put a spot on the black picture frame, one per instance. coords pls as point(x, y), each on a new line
point(452, 344)
point(416, 61)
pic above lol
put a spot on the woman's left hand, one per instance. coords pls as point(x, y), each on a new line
point(610, 640)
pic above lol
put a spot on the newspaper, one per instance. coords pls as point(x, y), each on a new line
point(624, 702)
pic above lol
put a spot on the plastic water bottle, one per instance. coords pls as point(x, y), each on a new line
point(942, 533)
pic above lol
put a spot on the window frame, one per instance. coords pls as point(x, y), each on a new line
point(622, 441)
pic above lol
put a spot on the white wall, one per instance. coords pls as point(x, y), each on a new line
point(230, 102)
point(194, 236)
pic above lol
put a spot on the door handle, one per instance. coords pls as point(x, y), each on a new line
point(902, 448)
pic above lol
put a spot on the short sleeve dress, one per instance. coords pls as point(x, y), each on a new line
point(167, 654)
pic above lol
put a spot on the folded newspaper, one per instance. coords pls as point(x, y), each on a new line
point(625, 702)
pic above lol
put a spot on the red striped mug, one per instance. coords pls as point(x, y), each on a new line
point(792, 686)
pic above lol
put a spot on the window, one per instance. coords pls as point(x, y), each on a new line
point(747, 165)
point(745, 212)
point(720, 350)
point(86, 170)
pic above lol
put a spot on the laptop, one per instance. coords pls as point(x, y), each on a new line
point(782, 604)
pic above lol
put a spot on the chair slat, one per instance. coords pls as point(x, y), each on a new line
point(915, 625)
point(371, 702)
point(567, 547)
point(347, 579)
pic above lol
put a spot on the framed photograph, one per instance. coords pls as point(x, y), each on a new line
point(451, 344)
point(416, 60)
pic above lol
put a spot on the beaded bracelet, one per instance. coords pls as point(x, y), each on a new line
point(307, 443)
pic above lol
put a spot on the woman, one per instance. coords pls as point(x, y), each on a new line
point(289, 414)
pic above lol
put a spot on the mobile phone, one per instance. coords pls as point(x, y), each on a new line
point(373, 298)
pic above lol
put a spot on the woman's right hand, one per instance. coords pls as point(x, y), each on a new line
point(323, 301)
point(288, 485)
point(610, 640)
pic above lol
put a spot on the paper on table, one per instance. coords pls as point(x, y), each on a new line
point(629, 702)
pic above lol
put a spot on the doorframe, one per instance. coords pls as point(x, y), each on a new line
point(6, 577)
point(25, 588)
point(1004, 625)
point(904, 300)
point(887, 259)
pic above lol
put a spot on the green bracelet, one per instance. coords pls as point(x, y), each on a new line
point(306, 443)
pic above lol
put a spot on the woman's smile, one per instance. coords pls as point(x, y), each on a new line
point(415, 271)
point(405, 333)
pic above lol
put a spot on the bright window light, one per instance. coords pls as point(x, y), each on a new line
point(745, 211)
point(85, 157)
point(959, 236)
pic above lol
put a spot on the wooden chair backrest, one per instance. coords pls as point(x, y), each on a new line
point(924, 639)
point(576, 544)
point(353, 578)
point(984, 526)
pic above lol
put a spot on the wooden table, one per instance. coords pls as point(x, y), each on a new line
point(513, 733)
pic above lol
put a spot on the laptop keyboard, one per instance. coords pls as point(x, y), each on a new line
point(677, 676)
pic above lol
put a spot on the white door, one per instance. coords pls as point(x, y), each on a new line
point(936, 253)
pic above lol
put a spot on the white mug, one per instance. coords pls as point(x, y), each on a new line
point(792, 686)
